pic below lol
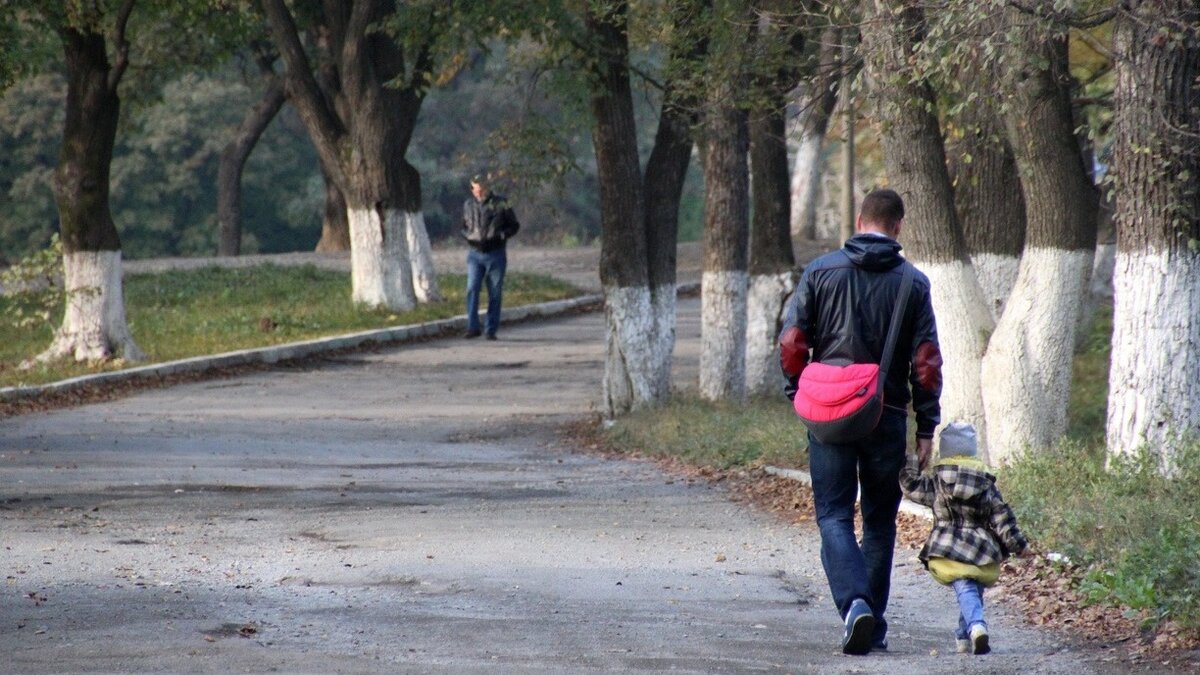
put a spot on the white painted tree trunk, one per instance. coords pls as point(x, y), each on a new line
point(640, 334)
point(723, 335)
point(1026, 372)
point(768, 292)
point(421, 253)
point(806, 184)
point(997, 275)
point(1154, 379)
point(380, 268)
point(94, 325)
point(963, 324)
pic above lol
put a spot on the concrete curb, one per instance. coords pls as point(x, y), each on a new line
point(804, 478)
point(299, 350)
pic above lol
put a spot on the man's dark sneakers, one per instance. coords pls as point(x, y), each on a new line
point(491, 336)
point(879, 645)
point(472, 334)
point(860, 624)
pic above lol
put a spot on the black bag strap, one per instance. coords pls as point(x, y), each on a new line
point(897, 318)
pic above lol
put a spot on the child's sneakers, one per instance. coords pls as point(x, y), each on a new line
point(962, 646)
point(979, 639)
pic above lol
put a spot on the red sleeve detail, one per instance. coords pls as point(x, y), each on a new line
point(928, 365)
point(793, 351)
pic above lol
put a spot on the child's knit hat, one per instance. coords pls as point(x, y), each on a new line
point(958, 440)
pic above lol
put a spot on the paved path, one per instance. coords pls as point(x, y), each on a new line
point(409, 510)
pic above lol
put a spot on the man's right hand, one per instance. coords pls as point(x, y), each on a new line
point(924, 452)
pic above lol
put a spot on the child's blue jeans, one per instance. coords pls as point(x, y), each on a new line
point(970, 606)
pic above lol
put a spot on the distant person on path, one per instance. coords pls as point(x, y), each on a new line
point(973, 529)
point(841, 312)
point(488, 223)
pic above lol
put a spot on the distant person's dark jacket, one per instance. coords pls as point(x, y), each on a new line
point(487, 225)
point(841, 310)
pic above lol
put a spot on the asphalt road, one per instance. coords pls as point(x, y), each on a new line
point(412, 510)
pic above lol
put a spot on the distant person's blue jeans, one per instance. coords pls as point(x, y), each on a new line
point(487, 267)
point(853, 570)
point(970, 606)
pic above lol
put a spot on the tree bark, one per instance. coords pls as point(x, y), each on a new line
point(915, 161)
point(662, 185)
point(772, 264)
point(1027, 368)
point(233, 160)
point(1154, 379)
point(987, 189)
point(630, 373)
point(726, 233)
point(335, 228)
point(94, 325)
point(813, 123)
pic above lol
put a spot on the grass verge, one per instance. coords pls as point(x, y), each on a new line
point(180, 314)
point(718, 435)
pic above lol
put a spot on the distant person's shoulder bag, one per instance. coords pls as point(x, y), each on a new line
point(843, 403)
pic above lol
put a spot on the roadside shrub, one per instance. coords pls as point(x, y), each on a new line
point(33, 290)
point(1135, 531)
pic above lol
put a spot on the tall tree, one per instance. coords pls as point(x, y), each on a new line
point(634, 360)
point(639, 211)
point(94, 324)
point(1154, 380)
point(235, 153)
point(987, 187)
point(772, 263)
point(362, 140)
point(915, 161)
point(818, 97)
point(725, 142)
point(1027, 367)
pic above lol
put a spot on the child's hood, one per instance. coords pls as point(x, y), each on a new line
point(965, 477)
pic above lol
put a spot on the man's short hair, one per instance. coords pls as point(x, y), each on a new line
point(481, 178)
point(882, 207)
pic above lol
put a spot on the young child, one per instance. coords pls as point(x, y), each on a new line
point(973, 529)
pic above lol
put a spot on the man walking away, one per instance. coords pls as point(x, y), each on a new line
point(488, 223)
point(841, 311)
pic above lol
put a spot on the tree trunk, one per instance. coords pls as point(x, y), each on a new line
point(813, 122)
point(335, 228)
point(1027, 368)
point(1154, 379)
point(726, 233)
point(233, 160)
point(662, 185)
point(94, 325)
point(631, 378)
point(772, 263)
point(362, 131)
point(915, 160)
point(987, 191)
point(849, 121)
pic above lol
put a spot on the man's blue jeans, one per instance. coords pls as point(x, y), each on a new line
point(970, 606)
point(874, 463)
point(482, 267)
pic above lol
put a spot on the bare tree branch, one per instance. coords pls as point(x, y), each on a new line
point(306, 95)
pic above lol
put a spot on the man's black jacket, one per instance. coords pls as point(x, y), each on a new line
point(841, 311)
point(488, 224)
